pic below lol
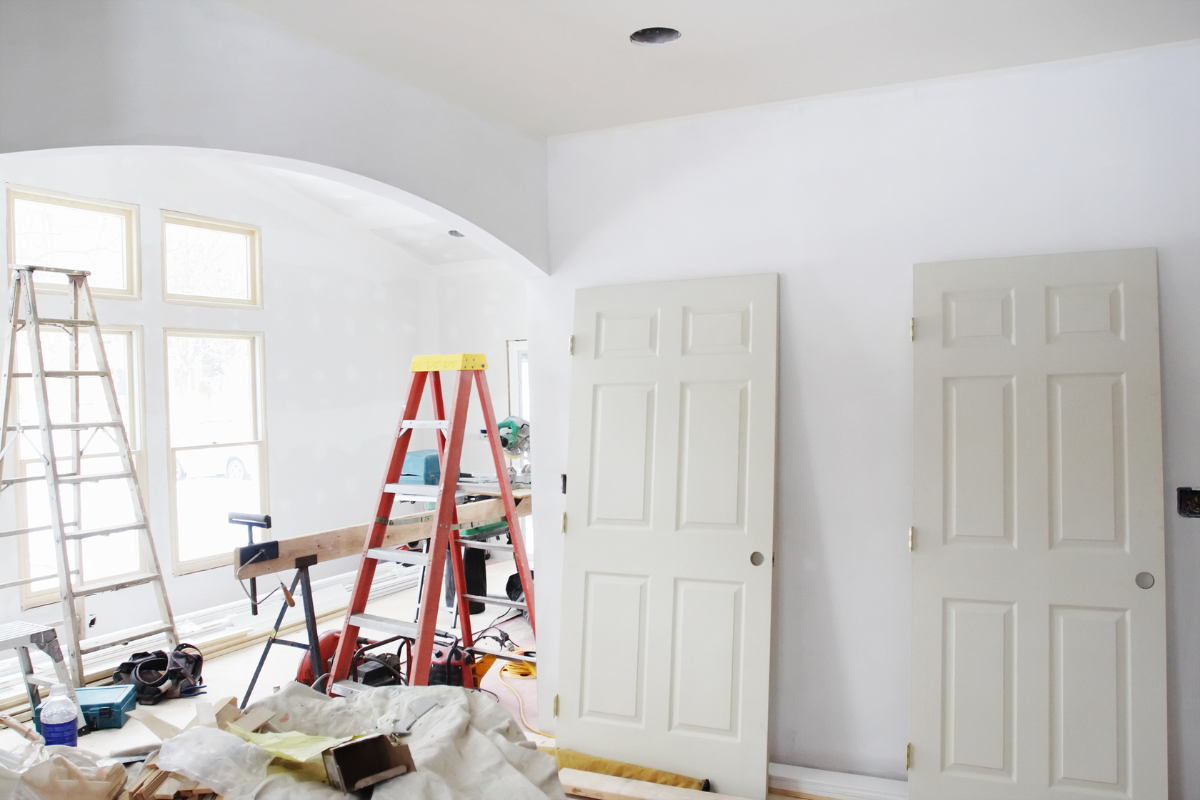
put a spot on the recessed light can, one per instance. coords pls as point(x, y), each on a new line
point(654, 36)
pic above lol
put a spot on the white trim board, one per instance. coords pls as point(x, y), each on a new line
point(834, 785)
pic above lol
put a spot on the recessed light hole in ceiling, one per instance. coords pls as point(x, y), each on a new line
point(654, 36)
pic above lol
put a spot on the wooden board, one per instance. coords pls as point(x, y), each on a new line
point(578, 783)
point(346, 542)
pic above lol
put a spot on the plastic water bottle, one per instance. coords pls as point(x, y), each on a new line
point(58, 718)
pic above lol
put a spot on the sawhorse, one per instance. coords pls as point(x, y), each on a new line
point(310, 622)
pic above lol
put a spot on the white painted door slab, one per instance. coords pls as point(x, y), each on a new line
point(666, 620)
point(1039, 663)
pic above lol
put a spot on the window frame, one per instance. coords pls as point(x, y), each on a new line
point(258, 338)
point(131, 212)
point(193, 220)
point(137, 395)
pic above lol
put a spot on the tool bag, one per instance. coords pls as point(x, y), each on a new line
point(161, 676)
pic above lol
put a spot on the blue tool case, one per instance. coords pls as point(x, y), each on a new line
point(103, 706)
point(422, 467)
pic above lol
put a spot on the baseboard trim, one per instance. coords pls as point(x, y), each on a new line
point(819, 784)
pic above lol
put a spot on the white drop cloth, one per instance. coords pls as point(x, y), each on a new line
point(467, 748)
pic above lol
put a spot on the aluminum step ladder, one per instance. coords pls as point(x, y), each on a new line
point(74, 436)
point(448, 536)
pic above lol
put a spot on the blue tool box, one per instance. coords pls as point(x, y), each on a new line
point(103, 706)
point(421, 466)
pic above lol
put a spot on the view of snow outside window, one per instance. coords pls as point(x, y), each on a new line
point(102, 503)
point(205, 262)
point(215, 435)
point(47, 234)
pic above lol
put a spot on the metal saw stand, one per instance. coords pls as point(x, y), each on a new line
point(21, 636)
point(310, 622)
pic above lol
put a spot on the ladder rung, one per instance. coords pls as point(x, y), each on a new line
point(122, 638)
point(478, 545)
point(24, 581)
point(25, 479)
point(66, 322)
point(393, 626)
point(117, 585)
point(106, 476)
point(500, 601)
point(65, 373)
point(409, 557)
point(68, 426)
point(482, 523)
point(502, 654)
point(132, 526)
point(19, 531)
point(442, 424)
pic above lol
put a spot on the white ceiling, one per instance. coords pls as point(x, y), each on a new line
point(552, 67)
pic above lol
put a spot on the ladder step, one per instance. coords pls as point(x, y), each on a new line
point(68, 426)
point(412, 558)
point(57, 270)
point(441, 424)
point(118, 584)
point(26, 479)
point(19, 531)
point(500, 601)
point(67, 323)
point(393, 626)
point(132, 526)
point(65, 373)
point(122, 638)
point(105, 476)
point(475, 544)
point(502, 654)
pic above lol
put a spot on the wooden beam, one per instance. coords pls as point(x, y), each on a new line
point(346, 542)
point(577, 783)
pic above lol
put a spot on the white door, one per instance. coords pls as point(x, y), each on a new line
point(666, 619)
point(1039, 643)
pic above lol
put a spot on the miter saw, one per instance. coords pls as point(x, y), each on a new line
point(514, 440)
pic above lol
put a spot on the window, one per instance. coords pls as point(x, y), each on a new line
point(212, 263)
point(56, 230)
point(217, 448)
point(101, 504)
point(518, 387)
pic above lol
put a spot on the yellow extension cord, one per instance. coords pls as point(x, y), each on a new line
point(523, 670)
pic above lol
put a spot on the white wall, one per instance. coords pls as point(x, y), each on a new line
point(841, 195)
point(344, 313)
point(201, 73)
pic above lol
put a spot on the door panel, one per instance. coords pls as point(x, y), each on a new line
point(1038, 664)
point(670, 522)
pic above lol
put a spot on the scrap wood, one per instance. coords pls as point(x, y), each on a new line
point(254, 719)
point(158, 726)
point(166, 790)
point(205, 715)
point(577, 783)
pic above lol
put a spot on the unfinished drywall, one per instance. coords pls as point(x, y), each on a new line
point(202, 73)
point(841, 195)
point(345, 310)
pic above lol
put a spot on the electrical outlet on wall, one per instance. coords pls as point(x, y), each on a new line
point(1189, 501)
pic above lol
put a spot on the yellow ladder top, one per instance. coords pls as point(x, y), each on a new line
point(455, 361)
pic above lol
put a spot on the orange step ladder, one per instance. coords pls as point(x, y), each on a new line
point(471, 369)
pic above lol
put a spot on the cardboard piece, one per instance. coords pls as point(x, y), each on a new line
point(365, 762)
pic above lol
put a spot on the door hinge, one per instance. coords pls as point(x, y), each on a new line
point(912, 329)
point(571, 346)
point(556, 705)
point(908, 757)
point(564, 522)
point(564, 483)
point(912, 537)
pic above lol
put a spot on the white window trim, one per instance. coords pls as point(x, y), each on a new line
point(256, 293)
point(260, 423)
point(31, 599)
point(133, 269)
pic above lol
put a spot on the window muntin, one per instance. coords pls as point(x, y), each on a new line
point(55, 230)
point(104, 503)
point(208, 262)
point(217, 447)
